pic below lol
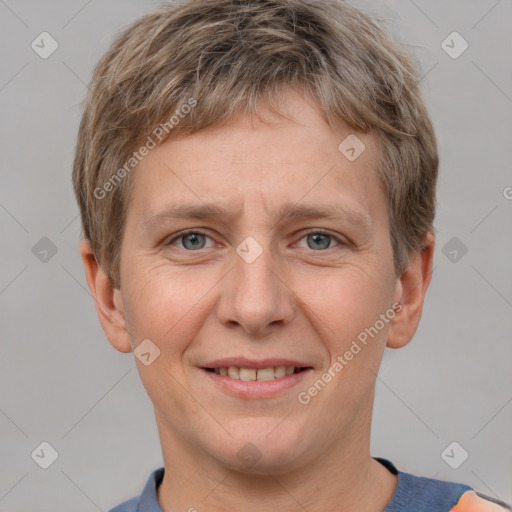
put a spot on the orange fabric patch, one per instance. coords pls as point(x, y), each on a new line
point(470, 502)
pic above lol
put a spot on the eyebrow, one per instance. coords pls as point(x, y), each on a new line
point(287, 211)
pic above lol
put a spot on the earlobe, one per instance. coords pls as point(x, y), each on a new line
point(108, 300)
point(411, 289)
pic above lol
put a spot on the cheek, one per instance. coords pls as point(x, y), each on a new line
point(345, 300)
point(360, 310)
point(167, 309)
point(158, 302)
point(345, 311)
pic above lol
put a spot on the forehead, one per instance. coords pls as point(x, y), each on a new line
point(285, 167)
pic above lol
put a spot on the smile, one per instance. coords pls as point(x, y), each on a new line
point(251, 374)
point(248, 379)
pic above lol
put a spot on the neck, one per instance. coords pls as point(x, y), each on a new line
point(345, 477)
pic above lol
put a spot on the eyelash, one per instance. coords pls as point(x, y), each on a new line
point(314, 231)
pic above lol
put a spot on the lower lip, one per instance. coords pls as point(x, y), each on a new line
point(257, 388)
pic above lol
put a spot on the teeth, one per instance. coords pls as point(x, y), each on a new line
point(280, 371)
point(233, 372)
point(250, 374)
point(265, 374)
point(247, 374)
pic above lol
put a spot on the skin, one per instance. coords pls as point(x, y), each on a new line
point(302, 298)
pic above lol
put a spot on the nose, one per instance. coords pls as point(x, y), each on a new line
point(255, 295)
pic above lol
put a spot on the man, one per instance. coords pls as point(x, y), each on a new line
point(256, 182)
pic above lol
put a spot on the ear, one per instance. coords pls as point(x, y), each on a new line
point(108, 300)
point(410, 292)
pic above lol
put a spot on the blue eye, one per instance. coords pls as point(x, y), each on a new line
point(196, 240)
point(192, 240)
point(320, 240)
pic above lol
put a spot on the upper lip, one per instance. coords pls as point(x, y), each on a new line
point(243, 362)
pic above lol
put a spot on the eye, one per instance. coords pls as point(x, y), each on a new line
point(196, 240)
point(191, 240)
point(319, 240)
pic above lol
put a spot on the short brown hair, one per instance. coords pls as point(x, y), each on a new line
point(231, 55)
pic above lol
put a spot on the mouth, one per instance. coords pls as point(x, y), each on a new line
point(256, 374)
point(252, 380)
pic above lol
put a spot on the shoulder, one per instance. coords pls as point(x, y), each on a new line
point(147, 501)
point(126, 506)
point(423, 494)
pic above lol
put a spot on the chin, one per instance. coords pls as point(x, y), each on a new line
point(262, 451)
point(262, 464)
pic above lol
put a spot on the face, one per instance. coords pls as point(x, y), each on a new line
point(279, 282)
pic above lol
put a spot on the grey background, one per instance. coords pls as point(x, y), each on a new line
point(63, 383)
